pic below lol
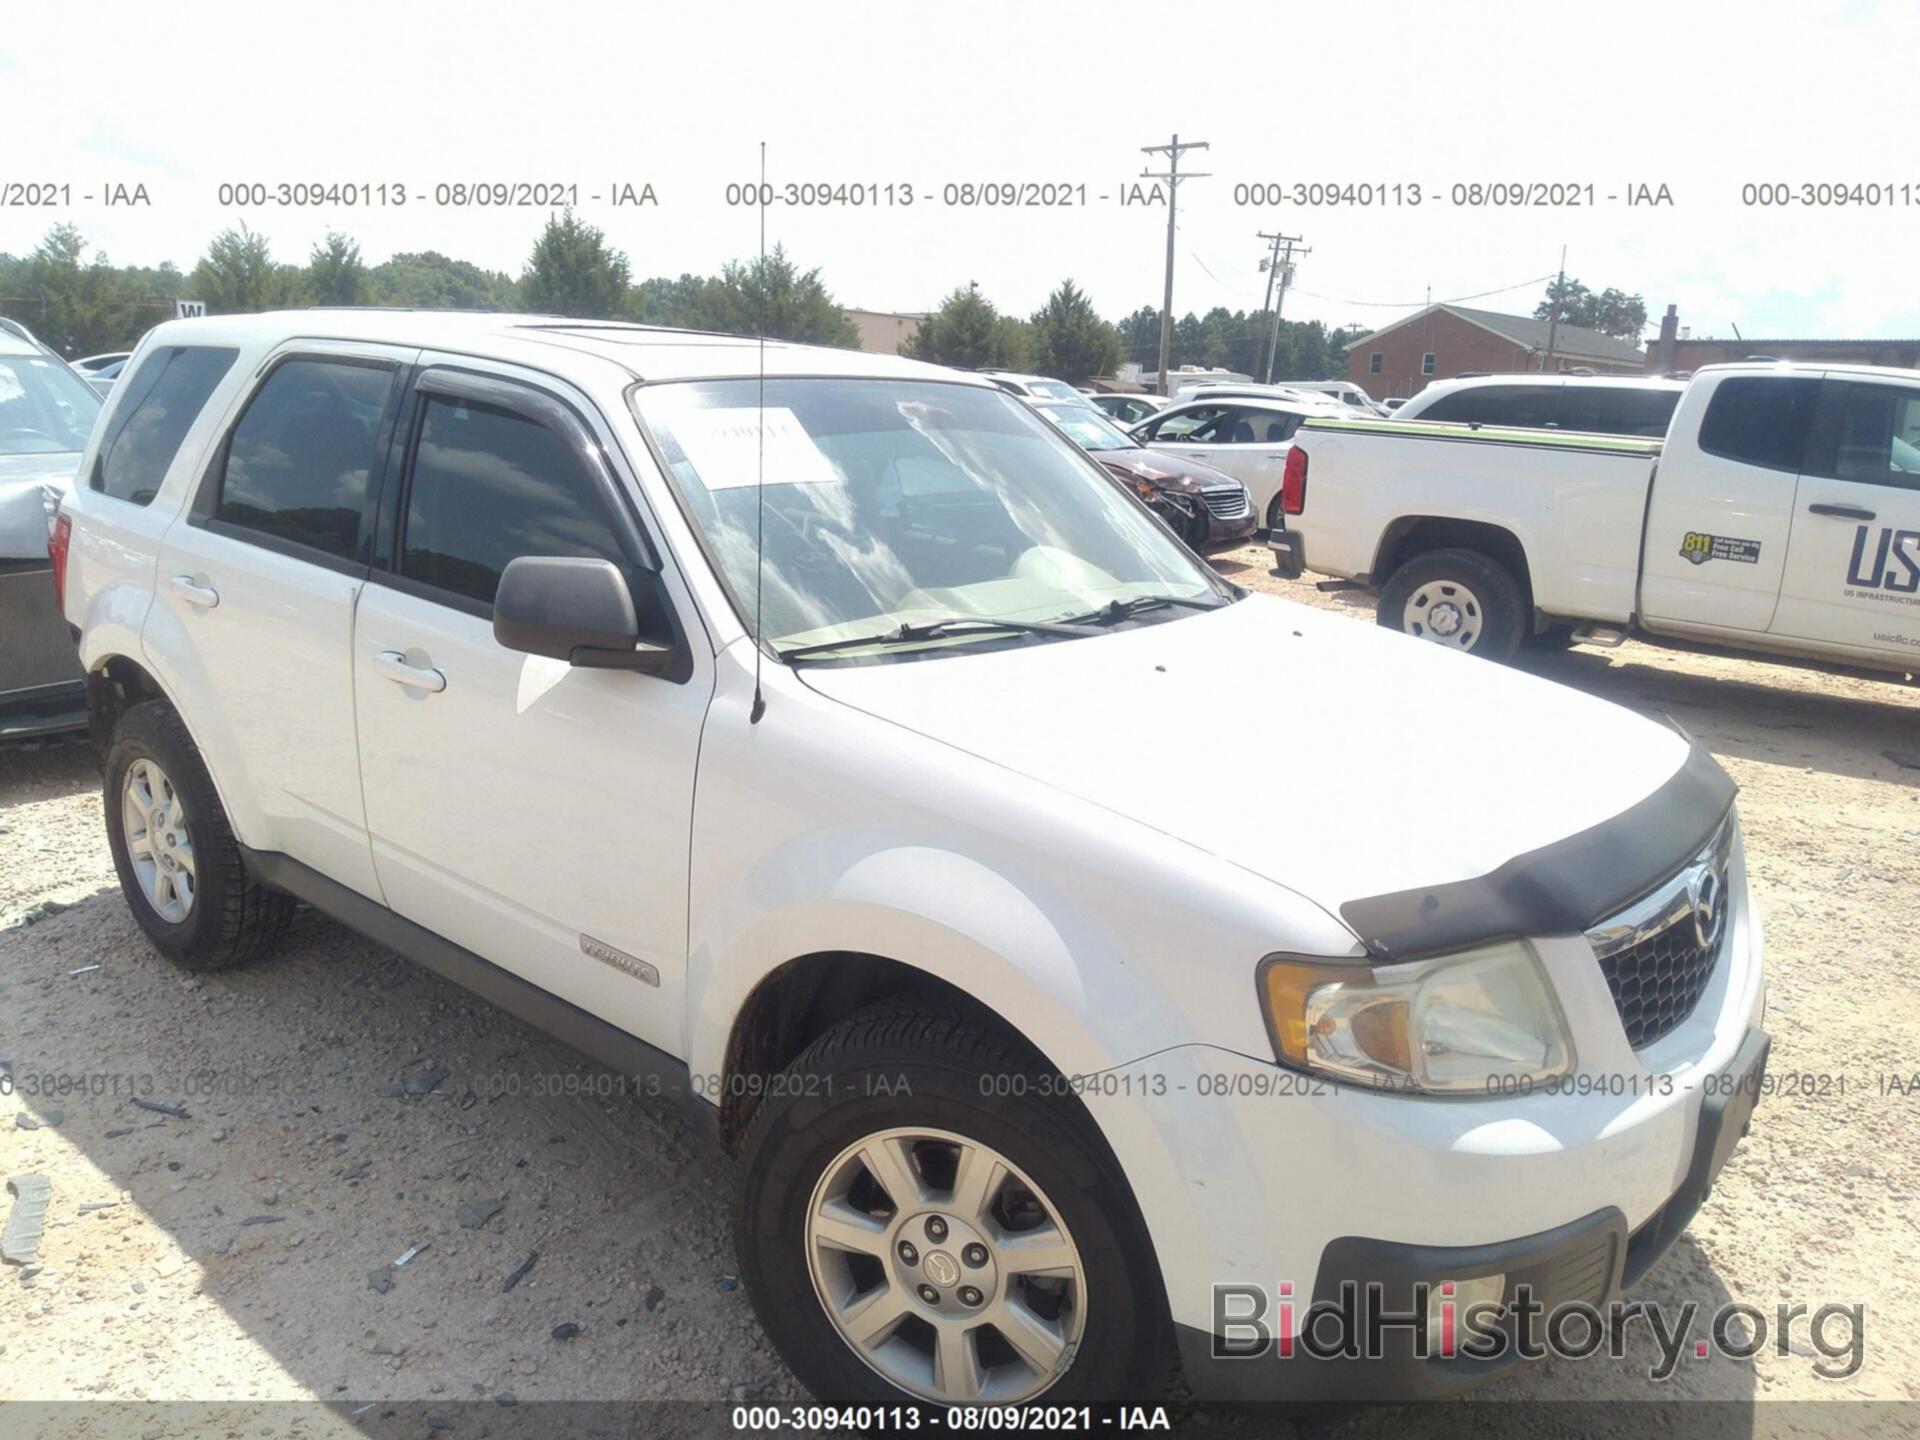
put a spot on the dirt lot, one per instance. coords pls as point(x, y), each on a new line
point(344, 1109)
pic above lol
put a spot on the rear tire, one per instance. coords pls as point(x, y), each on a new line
point(1460, 599)
point(934, 1083)
point(178, 862)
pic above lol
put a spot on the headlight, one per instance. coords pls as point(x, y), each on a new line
point(1461, 1023)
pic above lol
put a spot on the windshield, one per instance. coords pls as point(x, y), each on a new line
point(1055, 390)
point(894, 504)
point(1088, 428)
point(45, 409)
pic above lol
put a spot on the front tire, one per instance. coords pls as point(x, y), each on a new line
point(1459, 599)
point(924, 1217)
point(178, 862)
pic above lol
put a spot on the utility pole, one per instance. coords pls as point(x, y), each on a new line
point(1173, 177)
point(1284, 264)
point(1553, 310)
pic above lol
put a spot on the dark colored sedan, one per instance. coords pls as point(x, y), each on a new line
point(1207, 508)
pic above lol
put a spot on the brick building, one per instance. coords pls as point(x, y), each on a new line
point(1678, 352)
point(1442, 341)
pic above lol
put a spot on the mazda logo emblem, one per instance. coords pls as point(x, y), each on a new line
point(1707, 890)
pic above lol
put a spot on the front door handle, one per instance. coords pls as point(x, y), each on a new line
point(1842, 512)
point(187, 589)
point(393, 665)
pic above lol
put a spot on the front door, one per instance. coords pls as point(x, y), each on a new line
point(534, 813)
point(1853, 564)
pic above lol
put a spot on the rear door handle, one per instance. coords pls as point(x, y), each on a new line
point(194, 594)
point(1842, 512)
point(393, 665)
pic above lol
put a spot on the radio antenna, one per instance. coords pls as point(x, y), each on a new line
point(760, 467)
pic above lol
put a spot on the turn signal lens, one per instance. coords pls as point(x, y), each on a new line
point(1474, 1022)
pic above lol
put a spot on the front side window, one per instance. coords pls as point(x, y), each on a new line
point(45, 408)
point(1184, 424)
point(297, 462)
point(1879, 439)
point(890, 503)
point(163, 398)
point(487, 486)
point(1760, 420)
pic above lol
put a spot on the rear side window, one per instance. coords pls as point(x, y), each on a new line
point(297, 462)
point(1617, 409)
point(163, 397)
point(489, 486)
point(1760, 420)
point(1530, 407)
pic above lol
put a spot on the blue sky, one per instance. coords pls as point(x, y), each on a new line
point(1693, 97)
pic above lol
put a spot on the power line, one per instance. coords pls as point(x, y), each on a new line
point(1419, 304)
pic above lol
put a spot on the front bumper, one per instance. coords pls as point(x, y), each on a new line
point(1587, 1262)
point(1229, 534)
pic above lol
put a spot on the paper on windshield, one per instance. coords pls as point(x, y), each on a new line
point(724, 446)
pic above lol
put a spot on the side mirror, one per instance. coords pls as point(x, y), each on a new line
point(576, 610)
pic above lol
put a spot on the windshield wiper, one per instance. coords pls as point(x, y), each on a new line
point(908, 633)
point(1114, 611)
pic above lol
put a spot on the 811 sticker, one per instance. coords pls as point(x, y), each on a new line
point(1698, 547)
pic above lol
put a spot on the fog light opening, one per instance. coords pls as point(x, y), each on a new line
point(1448, 1302)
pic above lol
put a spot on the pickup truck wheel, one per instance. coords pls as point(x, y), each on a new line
point(1457, 598)
point(174, 851)
point(910, 1231)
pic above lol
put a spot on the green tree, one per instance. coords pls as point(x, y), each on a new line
point(770, 296)
point(660, 301)
point(335, 273)
point(428, 280)
point(239, 275)
point(75, 304)
point(1070, 340)
point(573, 271)
point(1611, 312)
point(965, 332)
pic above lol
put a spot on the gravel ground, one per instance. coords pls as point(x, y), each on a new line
point(344, 1108)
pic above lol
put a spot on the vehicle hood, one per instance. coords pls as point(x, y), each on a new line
point(1169, 472)
point(30, 491)
point(1341, 760)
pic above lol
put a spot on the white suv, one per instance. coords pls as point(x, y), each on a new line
point(1035, 1053)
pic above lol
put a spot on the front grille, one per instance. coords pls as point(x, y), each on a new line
point(1659, 954)
point(1657, 983)
point(1224, 504)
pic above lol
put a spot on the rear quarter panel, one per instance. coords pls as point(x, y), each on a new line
point(1576, 508)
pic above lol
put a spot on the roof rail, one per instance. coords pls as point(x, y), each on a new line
point(14, 327)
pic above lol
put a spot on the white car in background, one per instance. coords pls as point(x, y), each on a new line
point(1033, 387)
point(1128, 409)
point(1248, 437)
point(1591, 404)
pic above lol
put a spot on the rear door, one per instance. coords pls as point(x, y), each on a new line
point(1853, 564)
point(255, 596)
point(1722, 507)
point(536, 814)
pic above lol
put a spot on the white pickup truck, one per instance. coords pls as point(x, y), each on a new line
point(1781, 513)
